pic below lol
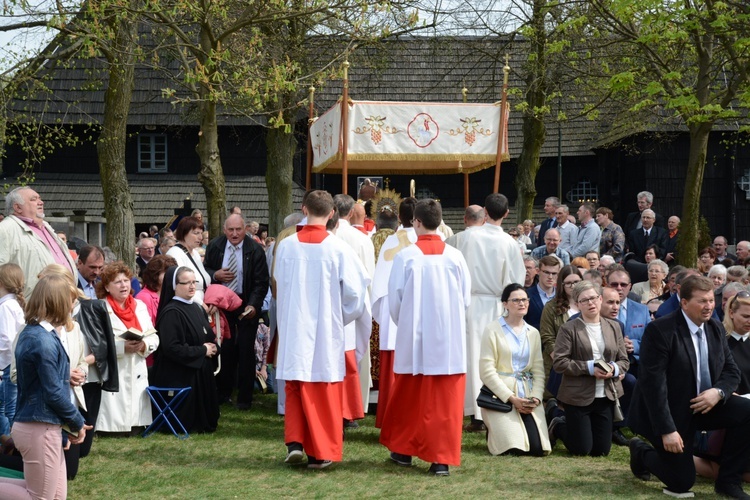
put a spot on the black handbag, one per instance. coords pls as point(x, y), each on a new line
point(489, 401)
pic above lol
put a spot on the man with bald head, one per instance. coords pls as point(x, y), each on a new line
point(649, 234)
point(236, 261)
point(357, 219)
point(743, 253)
point(473, 218)
point(551, 247)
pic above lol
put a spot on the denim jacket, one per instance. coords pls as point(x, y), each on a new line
point(43, 375)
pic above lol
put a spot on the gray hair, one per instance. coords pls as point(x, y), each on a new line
point(739, 272)
point(142, 240)
point(584, 285)
point(663, 265)
point(565, 208)
point(554, 200)
point(734, 287)
point(344, 204)
point(606, 260)
point(474, 213)
point(293, 219)
point(718, 270)
point(645, 194)
point(244, 224)
point(529, 258)
point(648, 211)
point(14, 197)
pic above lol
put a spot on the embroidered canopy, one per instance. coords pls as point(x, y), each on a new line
point(409, 138)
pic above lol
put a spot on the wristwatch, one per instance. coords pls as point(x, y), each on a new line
point(721, 393)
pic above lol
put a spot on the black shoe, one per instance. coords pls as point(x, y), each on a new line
point(439, 470)
point(475, 426)
point(636, 464)
point(550, 408)
point(243, 406)
point(294, 454)
point(730, 490)
point(313, 463)
point(619, 438)
point(350, 424)
point(551, 429)
point(403, 460)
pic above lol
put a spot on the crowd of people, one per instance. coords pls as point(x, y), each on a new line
point(576, 330)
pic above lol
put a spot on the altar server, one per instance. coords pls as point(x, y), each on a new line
point(428, 292)
point(321, 287)
point(380, 308)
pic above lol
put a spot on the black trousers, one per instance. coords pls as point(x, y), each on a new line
point(587, 429)
point(92, 394)
point(677, 470)
point(535, 442)
point(238, 359)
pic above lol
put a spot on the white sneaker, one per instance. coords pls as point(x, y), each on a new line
point(295, 457)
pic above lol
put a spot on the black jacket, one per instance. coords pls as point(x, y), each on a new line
point(97, 330)
point(254, 269)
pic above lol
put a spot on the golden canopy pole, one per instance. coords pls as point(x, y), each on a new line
point(310, 120)
point(501, 135)
point(345, 130)
point(464, 91)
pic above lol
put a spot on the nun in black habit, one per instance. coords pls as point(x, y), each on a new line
point(187, 351)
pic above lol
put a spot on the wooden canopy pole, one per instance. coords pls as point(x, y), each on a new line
point(464, 91)
point(310, 120)
point(345, 131)
point(501, 135)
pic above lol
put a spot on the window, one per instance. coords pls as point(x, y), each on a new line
point(152, 153)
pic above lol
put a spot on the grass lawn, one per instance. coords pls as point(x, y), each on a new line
point(244, 459)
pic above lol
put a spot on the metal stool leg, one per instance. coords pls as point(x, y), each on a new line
point(167, 410)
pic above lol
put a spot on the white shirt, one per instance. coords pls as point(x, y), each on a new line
point(696, 344)
point(225, 263)
point(12, 321)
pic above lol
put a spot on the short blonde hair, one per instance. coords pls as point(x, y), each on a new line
point(52, 301)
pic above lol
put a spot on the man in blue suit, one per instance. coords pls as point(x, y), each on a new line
point(672, 304)
point(544, 291)
point(633, 314)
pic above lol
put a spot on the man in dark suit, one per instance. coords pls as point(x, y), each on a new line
point(673, 302)
point(633, 220)
point(685, 383)
point(640, 239)
point(720, 247)
point(544, 291)
point(550, 206)
point(146, 252)
point(239, 263)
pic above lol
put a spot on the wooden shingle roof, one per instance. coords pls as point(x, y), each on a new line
point(155, 197)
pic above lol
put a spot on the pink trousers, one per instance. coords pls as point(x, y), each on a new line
point(43, 463)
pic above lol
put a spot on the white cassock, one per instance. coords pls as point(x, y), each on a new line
point(494, 262)
point(459, 239)
point(381, 312)
point(321, 288)
point(358, 333)
point(427, 297)
point(130, 406)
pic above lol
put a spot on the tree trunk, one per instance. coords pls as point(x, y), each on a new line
point(118, 204)
point(211, 176)
point(534, 134)
point(280, 149)
point(687, 243)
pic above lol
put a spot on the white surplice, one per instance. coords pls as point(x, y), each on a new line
point(494, 262)
point(428, 296)
point(380, 308)
point(357, 334)
point(321, 287)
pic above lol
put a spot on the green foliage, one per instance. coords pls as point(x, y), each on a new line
point(704, 234)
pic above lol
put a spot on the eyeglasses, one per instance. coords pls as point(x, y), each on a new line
point(589, 300)
point(618, 285)
point(188, 283)
point(740, 295)
point(519, 301)
point(570, 284)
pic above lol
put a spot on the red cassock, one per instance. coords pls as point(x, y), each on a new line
point(352, 394)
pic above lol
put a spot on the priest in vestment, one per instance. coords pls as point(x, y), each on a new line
point(494, 261)
point(321, 287)
point(381, 312)
point(428, 292)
